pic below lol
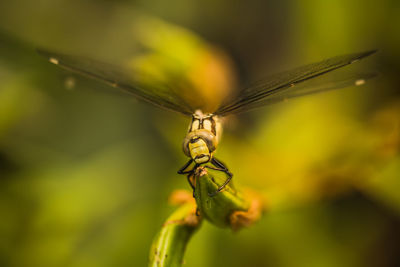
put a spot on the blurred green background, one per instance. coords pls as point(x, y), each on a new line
point(85, 172)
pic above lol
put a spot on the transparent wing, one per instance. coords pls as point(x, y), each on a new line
point(295, 83)
point(313, 86)
point(159, 95)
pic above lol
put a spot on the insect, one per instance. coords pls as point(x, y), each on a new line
point(205, 129)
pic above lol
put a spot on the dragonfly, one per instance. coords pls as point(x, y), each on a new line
point(205, 129)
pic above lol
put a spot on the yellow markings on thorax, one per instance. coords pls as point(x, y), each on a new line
point(208, 122)
point(195, 125)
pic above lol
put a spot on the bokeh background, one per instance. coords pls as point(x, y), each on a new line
point(85, 172)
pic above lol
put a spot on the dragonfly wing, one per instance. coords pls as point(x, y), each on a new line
point(159, 95)
point(295, 83)
point(314, 86)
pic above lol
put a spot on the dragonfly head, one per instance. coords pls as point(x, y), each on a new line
point(199, 151)
point(199, 145)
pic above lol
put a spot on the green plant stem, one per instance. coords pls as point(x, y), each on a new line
point(169, 246)
point(228, 208)
point(217, 209)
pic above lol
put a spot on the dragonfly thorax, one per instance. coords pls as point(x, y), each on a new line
point(202, 137)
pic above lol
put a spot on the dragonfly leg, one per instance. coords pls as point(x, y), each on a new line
point(183, 169)
point(219, 166)
point(189, 173)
